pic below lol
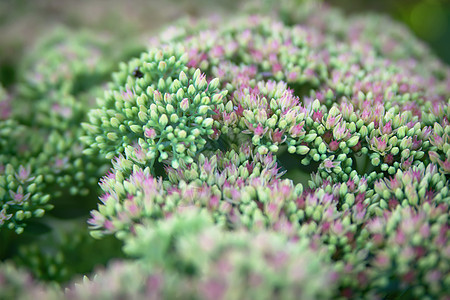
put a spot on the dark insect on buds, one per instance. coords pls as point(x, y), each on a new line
point(137, 73)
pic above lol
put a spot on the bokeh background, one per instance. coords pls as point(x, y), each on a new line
point(22, 21)
point(428, 19)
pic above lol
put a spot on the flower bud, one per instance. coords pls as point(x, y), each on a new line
point(352, 141)
point(163, 120)
point(302, 150)
point(207, 123)
point(183, 78)
point(214, 84)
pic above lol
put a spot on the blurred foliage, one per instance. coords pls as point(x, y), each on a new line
point(21, 21)
point(428, 19)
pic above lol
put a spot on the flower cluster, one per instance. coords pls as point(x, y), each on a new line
point(156, 105)
point(406, 255)
point(237, 189)
point(251, 158)
point(41, 158)
point(18, 284)
point(366, 104)
point(67, 66)
point(411, 187)
point(229, 264)
point(22, 194)
point(359, 131)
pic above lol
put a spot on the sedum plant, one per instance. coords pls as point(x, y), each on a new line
point(229, 264)
point(256, 157)
point(157, 106)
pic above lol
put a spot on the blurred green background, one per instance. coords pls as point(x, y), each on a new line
point(21, 21)
point(428, 19)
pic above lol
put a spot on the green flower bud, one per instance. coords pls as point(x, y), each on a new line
point(316, 105)
point(163, 120)
point(214, 84)
point(352, 141)
point(137, 128)
point(207, 123)
point(322, 148)
point(302, 150)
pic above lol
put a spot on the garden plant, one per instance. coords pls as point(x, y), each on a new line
point(301, 154)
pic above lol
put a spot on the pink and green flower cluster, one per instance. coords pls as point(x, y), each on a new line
point(251, 158)
point(319, 137)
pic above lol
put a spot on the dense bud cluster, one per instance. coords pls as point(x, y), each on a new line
point(346, 114)
point(156, 105)
point(234, 187)
point(408, 246)
point(19, 284)
point(41, 159)
point(251, 158)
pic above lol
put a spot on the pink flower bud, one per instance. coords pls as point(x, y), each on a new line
point(184, 104)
